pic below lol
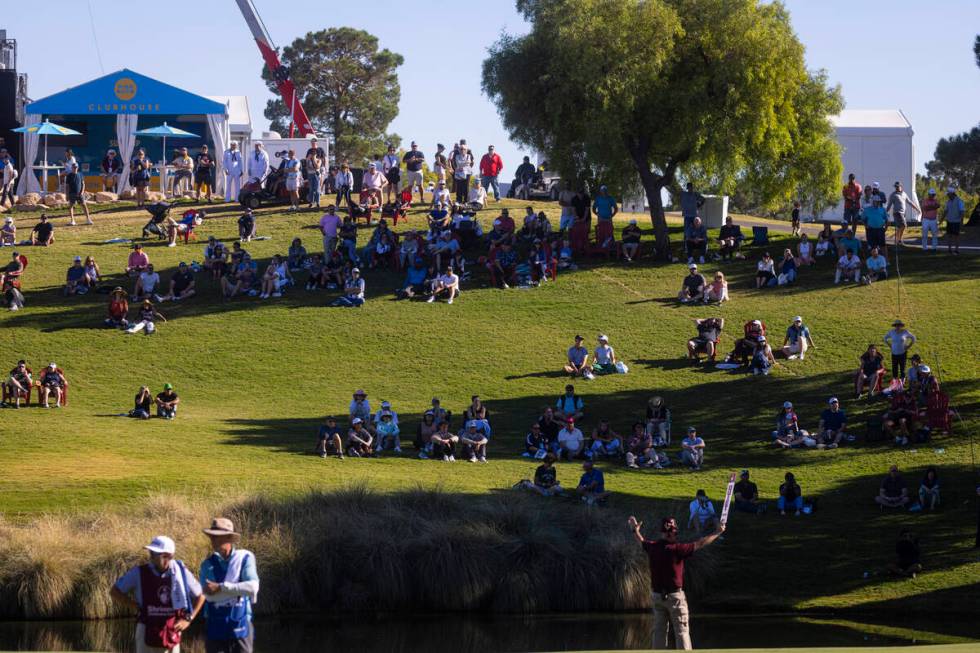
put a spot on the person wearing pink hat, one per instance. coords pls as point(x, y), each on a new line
point(165, 596)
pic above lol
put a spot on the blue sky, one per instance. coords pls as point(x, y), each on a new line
point(904, 54)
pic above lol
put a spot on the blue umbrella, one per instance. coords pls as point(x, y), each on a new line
point(163, 131)
point(46, 129)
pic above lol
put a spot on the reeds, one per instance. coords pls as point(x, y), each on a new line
point(348, 550)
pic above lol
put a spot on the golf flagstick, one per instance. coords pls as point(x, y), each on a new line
point(728, 499)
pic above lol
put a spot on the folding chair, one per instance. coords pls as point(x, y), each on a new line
point(938, 415)
point(64, 390)
point(760, 235)
point(876, 386)
point(10, 395)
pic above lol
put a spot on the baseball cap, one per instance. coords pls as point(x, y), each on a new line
point(356, 420)
point(53, 366)
point(632, 220)
point(898, 323)
point(167, 386)
point(570, 420)
point(603, 337)
point(386, 404)
point(78, 259)
point(692, 266)
point(161, 544)
point(833, 400)
point(797, 319)
point(744, 472)
point(926, 369)
point(691, 429)
point(358, 270)
point(875, 185)
point(579, 338)
point(787, 404)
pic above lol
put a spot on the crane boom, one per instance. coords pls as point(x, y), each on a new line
point(287, 90)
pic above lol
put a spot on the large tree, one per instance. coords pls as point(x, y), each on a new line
point(957, 158)
point(348, 87)
point(662, 90)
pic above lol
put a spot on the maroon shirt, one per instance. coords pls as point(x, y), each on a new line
point(667, 564)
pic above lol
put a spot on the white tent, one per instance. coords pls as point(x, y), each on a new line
point(877, 146)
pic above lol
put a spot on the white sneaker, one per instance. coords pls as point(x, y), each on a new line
point(398, 449)
point(264, 296)
point(452, 459)
point(171, 244)
point(472, 459)
point(445, 459)
point(430, 299)
point(449, 301)
point(483, 459)
point(277, 294)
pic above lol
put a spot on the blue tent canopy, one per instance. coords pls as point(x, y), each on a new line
point(125, 91)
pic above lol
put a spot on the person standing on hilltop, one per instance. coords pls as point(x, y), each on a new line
point(666, 557)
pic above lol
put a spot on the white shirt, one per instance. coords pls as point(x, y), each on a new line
point(69, 162)
point(390, 161)
point(604, 354)
point(342, 179)
point(149, 281)
point(571, 439)
point(373, 181)
point(849, 262)
point(448, 280)
point(232, 162)
point(441, 196)
point(258, 164)
point(703, 512)
point(478, 195)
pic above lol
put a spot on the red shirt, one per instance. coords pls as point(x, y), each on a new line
point(667, 564)
point(930, 208)
point(491, 165)
point(852, 195)
point(507, 224)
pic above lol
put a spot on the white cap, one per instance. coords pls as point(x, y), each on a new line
point(386, 404)
point(602, 337)
point(161, 544)
point(692, 266)
point(787, 404)
point(875, 185)
point(833, 400)
point(356, 420)
point(53, 366)
point(797, 319)
point(925, 369)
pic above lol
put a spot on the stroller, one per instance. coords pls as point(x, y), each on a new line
point(159, 212)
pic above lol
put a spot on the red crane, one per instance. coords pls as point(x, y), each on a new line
point(280, 73)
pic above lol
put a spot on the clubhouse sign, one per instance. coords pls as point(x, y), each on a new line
point(125, 90)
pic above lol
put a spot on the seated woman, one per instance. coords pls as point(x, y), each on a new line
point(790, 495)
point(276, 278)
point(240, 279)
point(765, 271)
point(762, 359)
point(334, 270)
point(566, 256)
point(899, 421)
point(658, 422)
point(387, 433)
point(8, 232)
point(477, 412)
point(804, 251)
point(118, 309)
point(788, 433)
point(702, 513)
point(870, 371)
point(787, 269)
point(216, 258)
point(315, 270)
point(717, 290)
point(605, 442)
point(639, 448)
point(408, 249)
point(474, 442)
point(381, 254)
point(477, 198)
point(542, 227)
point(929, 490)
point(296, 257)
point(877, 267)
point(539, 261)
point(92, 272)
point(631, 240)
point(545, 479)
point(706, 342)
point(359, 439)
point(604, 358)
point(142, 404)
point(824, 246)
point(444, 443)
point(52, 384)
point(423, 434)
point(76, 281)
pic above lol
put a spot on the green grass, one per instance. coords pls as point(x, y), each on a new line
point(256, 377)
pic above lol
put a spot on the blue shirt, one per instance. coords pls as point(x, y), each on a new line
point(875, 217)
point(794, 333)
point(593, 475)
point(877, 263)
point(249, 572)
point(833, 421)
point(851, 243)
point(568, 404)
point(415, 276)
point(603, 206)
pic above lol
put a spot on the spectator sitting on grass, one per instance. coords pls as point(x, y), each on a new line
point(359, 406)
point(142, 403)
point(578, 359)
point(216, 258)
point(333, 270)
point(765, 274)
point(147, 316)
point(353, 296)
point(877, 267)
point(762, 359)
point(894, 491)
point(790, 495)
point(848, 268)
point(702, 514)
point(296, 256)
point(787, 268)
point(423, 434)
point(605, 441)
point(246, 226)
point(474, 442)
point(328, 440)
point(182, 285)
point(315, 279)
point(848, 242)
point(592, 484)
point(570, 441)
point(605, 357)
point(870, 371)
point(446, 284)
point(240, 279)
point(833, 421)
point(502, 264)
point(797, 340)
point(901, 416)
point(824, 246)
point(477, 412)
point(745, 495)
point(550, 426)
point(444, 443)
point(730, 240)
point(566, 256)
point(658, 421)
point(692, 288)
point(706, 342)
point(692, 449)
point(118, 309)
point(570, 405)
point(545, 479)
point(535, 444)
point(717, 290)
point(387, 432)
point(908, 556)
point(43, 232)
point(696, 241)
point(639, 448)
point(137, 261)
point(631, 240)
point(929, 490)
point(788, 433)
point(167, 402)
point(441, 414)
point(359, 439)
point(416, 280)
point(76, 281)
point(804, 251)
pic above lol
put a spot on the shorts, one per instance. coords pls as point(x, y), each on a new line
point(75, 199)
point(876, 236)
point(414, 178)
point(292, 184)
point(953, 228)
point(899, 219)
point(393, 176)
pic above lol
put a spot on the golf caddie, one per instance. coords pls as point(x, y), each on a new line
point(165, 595)
point(231, 586)
point(667, 557)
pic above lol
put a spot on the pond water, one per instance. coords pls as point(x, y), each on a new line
point(381, 633)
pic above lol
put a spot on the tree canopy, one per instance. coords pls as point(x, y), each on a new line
point(348, 87)
point(651, 91)
point(957, 158)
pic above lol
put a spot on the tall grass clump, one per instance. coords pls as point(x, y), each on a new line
point(349, 550)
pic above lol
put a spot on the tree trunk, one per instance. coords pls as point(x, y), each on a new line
point(652, 186)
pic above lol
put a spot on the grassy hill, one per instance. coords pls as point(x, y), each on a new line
point(256, 378)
